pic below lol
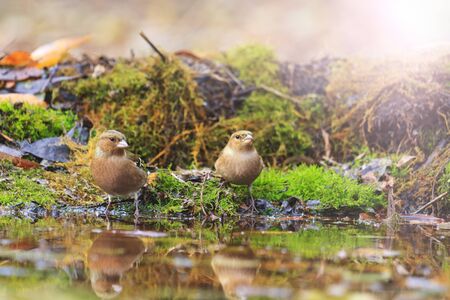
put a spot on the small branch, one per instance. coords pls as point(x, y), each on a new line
point(233, 77)
point(49, 79)
point(429, 203)
point(278, 93)
point(201, 194)
point(163, 57)
point(435, 153)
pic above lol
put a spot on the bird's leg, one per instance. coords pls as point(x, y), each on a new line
point(109, 204)
point(252, 203)
point(136, 205)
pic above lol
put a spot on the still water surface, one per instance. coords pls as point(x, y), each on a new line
point(256, 259)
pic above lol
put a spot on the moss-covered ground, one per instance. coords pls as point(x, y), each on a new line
point(170, 194)
point(29, 122)
point(157, 105)
point(18, 186)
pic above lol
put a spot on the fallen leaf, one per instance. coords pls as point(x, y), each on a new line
point(38, 85)
point(17, 59)
point(50, 54)
point(366, 217)
point(19, 162)
point(22, 98)
point(404, 160)
point(10, 151)
point(20, 74)
point(52, 149)
point(151, 178)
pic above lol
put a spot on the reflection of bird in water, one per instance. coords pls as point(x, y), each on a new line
point(111, 255)
point(235, 267)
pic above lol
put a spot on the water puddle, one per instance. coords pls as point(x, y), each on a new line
point(259, 259)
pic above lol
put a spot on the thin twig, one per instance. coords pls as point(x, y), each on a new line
point(278, 93)
point(169, 145)
point(163, 57)
point(429, 203)
point(201, 194)
point(49, 79)
point(233, 77)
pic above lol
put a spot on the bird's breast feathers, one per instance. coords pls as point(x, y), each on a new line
point(240, 167)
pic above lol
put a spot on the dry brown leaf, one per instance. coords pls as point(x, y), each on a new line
point(151, 179)
point(50, 54)
point(405, 159)
point(22, 98)
point(19, 162)
point(18, 59)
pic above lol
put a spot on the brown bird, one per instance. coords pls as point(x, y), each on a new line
point(239, 162)
point(113, 171)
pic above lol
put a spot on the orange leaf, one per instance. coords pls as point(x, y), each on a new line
point(17, 59)
point(22, 98)
point(50, 54)
point(19, 162)
point(151, 179)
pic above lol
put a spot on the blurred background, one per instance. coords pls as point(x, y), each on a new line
point(298, 30)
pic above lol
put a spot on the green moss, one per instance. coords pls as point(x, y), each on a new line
point(173, 195)
point(277, 123)
point(19, 186)
point(256, 64)
point(33, 122)
point(115, 87)
point(315, 183)
point(444, 182)
point(153, 103)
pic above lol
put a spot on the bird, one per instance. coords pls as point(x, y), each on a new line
point(239, 162)
point(113, 171)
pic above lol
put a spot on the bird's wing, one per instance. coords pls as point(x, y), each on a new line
point(135, 173)
point(219, 160)
point(261, 162)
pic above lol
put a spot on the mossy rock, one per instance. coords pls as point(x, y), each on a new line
point(170, 194)
point(153, 103)
point(30, 122)
point(19, 186)
point(280, 127)
point(316, 183)
point(158, 107)
point(388, 106)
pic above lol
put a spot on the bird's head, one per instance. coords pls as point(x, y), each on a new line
point(241, 140)
point(111, 142)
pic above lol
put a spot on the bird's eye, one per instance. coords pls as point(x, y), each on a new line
point(112, 139)
point(238, 137)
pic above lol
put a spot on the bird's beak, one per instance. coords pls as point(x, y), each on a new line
point(248, 138)
point(122, 144)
